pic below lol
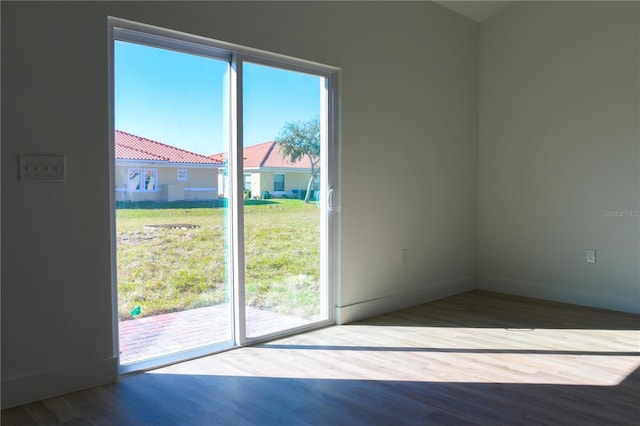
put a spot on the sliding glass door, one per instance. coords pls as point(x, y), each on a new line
point(283, 210)
point(170, 114)
point(223, 175)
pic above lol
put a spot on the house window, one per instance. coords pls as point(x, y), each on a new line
point(135, 180)
point(247, 182)
point(182, 174)
point(150, 179)
point(278, 182)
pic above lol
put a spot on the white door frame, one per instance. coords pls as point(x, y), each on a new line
point(235, 55)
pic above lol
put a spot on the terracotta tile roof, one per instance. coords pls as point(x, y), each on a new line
point(267, 154)
point(222, 157)
point(132, 147)
point(126, 153)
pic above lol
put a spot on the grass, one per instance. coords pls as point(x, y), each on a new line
point(167, 269)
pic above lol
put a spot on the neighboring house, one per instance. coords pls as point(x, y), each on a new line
point(267, 169)
point(148, 170)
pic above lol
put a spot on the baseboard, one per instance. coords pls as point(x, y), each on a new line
point(560, 294)
point(36, 387)
point(383, 305)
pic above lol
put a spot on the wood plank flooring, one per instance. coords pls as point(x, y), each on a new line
point(477, 358)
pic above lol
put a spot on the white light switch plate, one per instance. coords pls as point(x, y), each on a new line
point(591, 256)
point(41, 168)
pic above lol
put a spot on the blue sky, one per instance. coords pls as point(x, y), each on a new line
point(179, 99)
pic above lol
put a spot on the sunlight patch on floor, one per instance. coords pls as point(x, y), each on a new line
point(434, 354)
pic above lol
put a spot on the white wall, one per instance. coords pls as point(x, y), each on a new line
point(559, 149)
point(409, 106)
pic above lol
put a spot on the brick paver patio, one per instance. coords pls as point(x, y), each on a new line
point(149, 337)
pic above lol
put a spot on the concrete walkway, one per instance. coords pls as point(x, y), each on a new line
point(153, 336)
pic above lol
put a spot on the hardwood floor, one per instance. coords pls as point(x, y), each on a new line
point(474, 359)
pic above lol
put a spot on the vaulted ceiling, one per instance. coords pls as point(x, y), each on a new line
point(477, 10)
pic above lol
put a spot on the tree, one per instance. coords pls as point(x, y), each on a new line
point(302, 139)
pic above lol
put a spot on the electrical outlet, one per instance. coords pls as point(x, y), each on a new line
point(404, 256)
point(591, 256)
point(41, 168)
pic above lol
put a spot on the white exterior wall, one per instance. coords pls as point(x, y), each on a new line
point(197, 182)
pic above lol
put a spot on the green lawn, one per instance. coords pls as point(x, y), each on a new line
point(169, 269)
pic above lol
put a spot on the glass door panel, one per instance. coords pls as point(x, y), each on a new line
point(283, 276)
point(171, 115)
point(221, 222)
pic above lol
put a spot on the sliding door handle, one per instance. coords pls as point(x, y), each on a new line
point(330, 203)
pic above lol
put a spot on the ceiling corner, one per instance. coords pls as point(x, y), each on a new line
point(476, 10)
